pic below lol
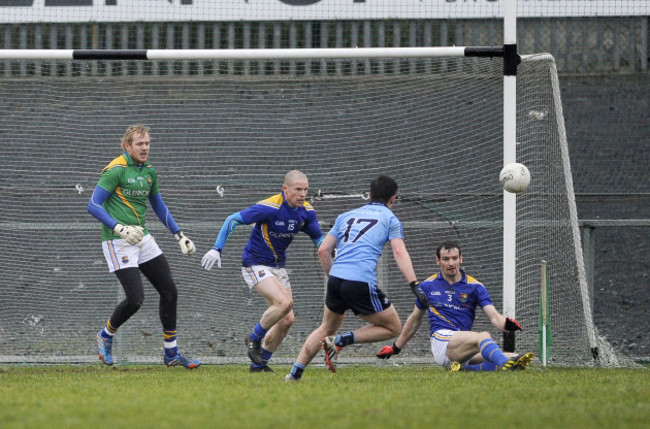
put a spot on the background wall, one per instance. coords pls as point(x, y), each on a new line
point(608, 129)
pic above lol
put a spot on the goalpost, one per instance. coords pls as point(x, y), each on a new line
point(441, 121)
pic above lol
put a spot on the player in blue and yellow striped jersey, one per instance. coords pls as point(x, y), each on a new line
point(277, 220)
point(452, 298)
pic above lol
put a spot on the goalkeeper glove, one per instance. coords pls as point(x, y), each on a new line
point(387, 351)
point(129, 233)
point(187, 247)
point(419, 293)
point(209, 259)
point(512, 325)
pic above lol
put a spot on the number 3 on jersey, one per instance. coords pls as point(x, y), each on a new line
point(369, 224)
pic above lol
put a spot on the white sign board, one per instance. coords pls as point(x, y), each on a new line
point(26, 11)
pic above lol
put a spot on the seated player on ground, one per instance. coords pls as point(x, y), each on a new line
point(452, 297)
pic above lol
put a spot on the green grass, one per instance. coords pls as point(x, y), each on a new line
point(355, 397)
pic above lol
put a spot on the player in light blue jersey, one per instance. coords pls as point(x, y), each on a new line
point(358, 237)
point(452, 297)
point(277, 220)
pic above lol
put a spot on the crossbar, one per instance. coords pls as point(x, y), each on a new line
point(249, 54)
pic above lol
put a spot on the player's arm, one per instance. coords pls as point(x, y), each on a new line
point(499, 321)
point(228, 227)
point(405, 265)
point(411, 327)
point(213, 256)
point(318, 241)
point(403, 259)
point(96, 208)
point(131, 233)
point(165, 216)
point(163, 213)
point(325, 252)
point(312, 228)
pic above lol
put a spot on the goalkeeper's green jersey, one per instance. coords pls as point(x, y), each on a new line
point(130, 185)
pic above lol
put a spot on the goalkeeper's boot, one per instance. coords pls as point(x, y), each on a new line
point(522, 360)
point(263, 368)
point(179, 359)
point(331, 352)
point(254, 349)
point(105, 347)
point(454, 367)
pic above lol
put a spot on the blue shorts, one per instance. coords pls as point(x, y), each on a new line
point(360, 297)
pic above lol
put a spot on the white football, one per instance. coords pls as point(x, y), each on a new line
point(514, 177)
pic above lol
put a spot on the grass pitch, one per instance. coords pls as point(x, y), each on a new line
point(215, 396)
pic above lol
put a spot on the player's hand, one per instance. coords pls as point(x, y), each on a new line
point(209, 259)
point(419, 293)
point(187, 247)
point(129, 233)
point(387, 351)
point(512, 325)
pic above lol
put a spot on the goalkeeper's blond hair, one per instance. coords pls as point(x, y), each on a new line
point(127, 138)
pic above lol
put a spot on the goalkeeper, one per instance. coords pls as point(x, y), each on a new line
point(119, 201)
point(452, 297)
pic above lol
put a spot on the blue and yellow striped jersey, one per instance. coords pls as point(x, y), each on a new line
point(276, 224)
point(453, 306)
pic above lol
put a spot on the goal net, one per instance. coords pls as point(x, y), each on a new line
point(223, 136)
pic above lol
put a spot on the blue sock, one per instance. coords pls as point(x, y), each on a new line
point(297, 370)
point(483, 366)
point(492, 353)
point(258, 333)
point(266, 357)
point(344, 339)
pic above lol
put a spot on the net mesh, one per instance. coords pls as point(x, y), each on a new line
point(222, 142)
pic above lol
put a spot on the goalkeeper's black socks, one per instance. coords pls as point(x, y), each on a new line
point(344, 339)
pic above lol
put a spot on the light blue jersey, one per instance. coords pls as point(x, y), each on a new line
point(361, 235)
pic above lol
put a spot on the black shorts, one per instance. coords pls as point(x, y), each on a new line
point(360, 297)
